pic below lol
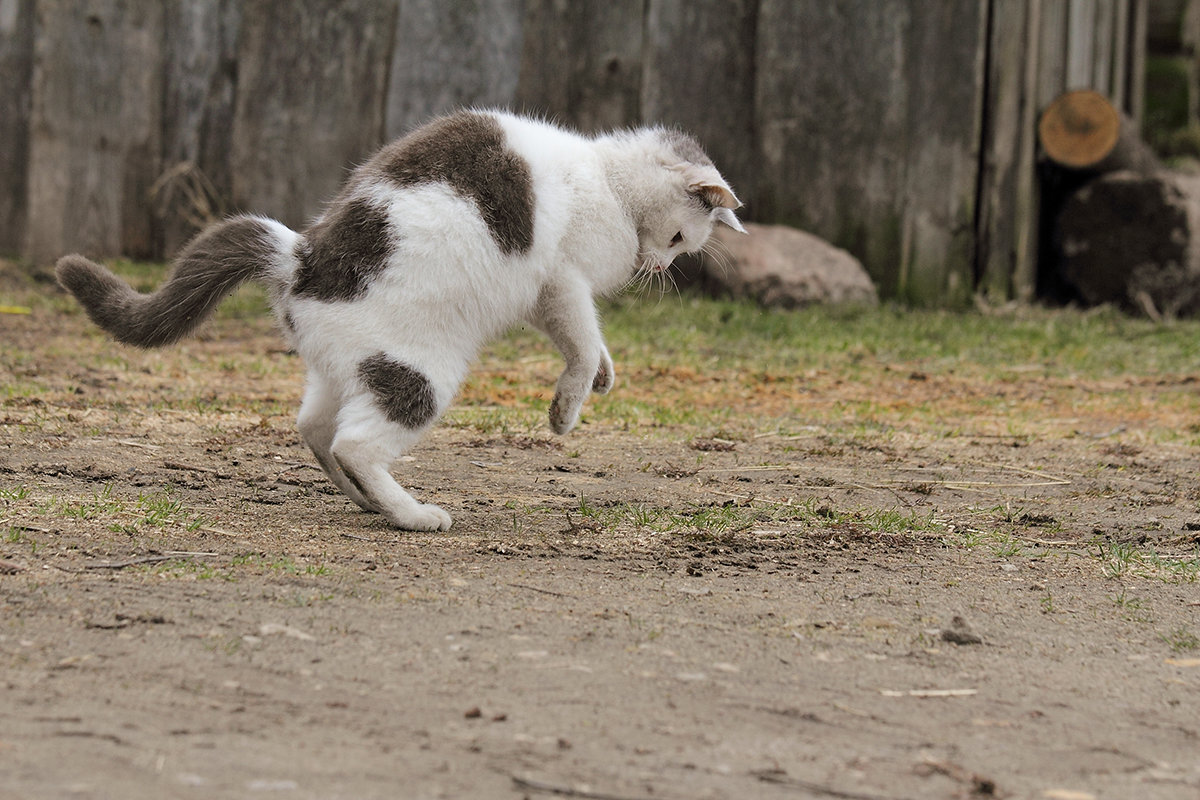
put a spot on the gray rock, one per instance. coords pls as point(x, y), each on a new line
point(783, 267)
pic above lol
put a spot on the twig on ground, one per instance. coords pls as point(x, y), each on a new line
point(219, 531)
point(22, 526)
point(781, 778)
point(143, 445)
point(133, 562)
point(567, 791)
point(539, 589)
point(187, 467)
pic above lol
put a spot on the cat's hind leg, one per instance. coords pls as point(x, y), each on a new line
point(375, 427)
point(318, 424)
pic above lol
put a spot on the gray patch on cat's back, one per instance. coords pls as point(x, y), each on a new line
point(468, 152)
point(686, 147)
point(404, 394)
point(343, 253)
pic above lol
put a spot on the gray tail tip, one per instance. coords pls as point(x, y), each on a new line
point(75, 271)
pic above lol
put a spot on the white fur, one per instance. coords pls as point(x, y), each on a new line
point(604, 208)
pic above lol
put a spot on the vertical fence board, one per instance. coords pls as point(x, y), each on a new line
point(1081, 26)
point(198, 97)
point(1006, 196)
point(452, 55)
point(826, 128)
point(944, 77)
point(877, 154)
point(582, 61)
point(1118, 39)
point(310, 98)
point(16, 67)
point(709, 92)
point(95, 128)
point(1052, 52)
point(1103, 67)
point(1135, 96)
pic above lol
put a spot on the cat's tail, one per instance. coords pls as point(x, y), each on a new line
point(210, 267)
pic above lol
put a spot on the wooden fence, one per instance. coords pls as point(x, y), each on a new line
point(899, 129)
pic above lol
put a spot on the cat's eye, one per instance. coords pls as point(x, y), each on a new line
point(677, 238)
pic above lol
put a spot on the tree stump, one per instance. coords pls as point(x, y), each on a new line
point(1134, 240)
point(1127, 231)
point(1082, 130)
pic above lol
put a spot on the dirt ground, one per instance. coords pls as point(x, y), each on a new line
point(585, 629)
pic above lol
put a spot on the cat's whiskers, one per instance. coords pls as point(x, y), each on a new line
point(717, 250)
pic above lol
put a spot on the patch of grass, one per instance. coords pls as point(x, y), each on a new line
point(14, 493)
point(1182, 640)
point(1123, 560)
point(101, 503)
point(703, 363)
point(698, 332)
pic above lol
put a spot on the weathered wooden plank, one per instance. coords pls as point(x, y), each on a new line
point(1081, 28)
point(1102, 46)
point(1135, 95)
point(452, 55)
point(699, 75)
point(1052, 52)
point(95, 125)
point(1007, 233)
point(879, 154)
point(581, 62)
point(1119, 84)
point(201, 74)
point(16, 68)
point(306, 111)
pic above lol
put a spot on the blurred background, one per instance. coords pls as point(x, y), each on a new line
point(904, 131)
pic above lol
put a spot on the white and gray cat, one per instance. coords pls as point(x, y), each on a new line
point(440, 242)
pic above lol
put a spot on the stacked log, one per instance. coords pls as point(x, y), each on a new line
point(1128, 231)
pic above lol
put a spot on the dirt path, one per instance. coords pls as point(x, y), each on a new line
point(619, 614)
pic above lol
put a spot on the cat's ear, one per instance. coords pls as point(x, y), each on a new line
point(727, 217)
point(715, 194)
point(704, 182)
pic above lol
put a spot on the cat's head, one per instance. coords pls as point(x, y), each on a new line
point(693, 198)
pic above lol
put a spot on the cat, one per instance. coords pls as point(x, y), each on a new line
point(440, 242)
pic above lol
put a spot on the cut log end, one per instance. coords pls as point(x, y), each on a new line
point(1080, 129)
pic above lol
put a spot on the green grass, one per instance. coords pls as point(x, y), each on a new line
point(1121, 560)
point(698, 332)
point(1182, 640)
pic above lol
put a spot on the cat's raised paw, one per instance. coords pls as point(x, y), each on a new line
point(425, 517)
point(605, 377)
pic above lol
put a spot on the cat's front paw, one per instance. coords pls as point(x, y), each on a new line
point(563, 415)
point(425, 517)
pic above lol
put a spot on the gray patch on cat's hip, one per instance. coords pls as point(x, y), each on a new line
point(404, 394)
